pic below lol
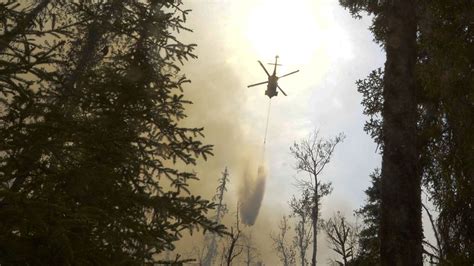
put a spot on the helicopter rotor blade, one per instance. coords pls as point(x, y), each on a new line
point(256, 84)
point(289, 74)
point(282, 90)
point(263, 68)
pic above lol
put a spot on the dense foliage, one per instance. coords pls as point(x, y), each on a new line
point(445, 91)
point(91, 102)
point(369, 241)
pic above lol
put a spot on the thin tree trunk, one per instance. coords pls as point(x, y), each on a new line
point(401, 231)
point(314, 217)
point(302, 236)
point(231, 250)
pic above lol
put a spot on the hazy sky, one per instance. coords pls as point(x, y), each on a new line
point(331, 50)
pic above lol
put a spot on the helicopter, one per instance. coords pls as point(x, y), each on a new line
point(272, 80)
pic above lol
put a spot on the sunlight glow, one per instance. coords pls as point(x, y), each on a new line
point(303, 33)
point(287, 29)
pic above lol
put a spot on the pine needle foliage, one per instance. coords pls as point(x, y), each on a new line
point(91, 99)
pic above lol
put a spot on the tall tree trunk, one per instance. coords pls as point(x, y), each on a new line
point(314, 218)
point(401, 231)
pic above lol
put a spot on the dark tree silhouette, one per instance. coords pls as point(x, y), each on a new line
point(444, 117)
point(369, 240)
point(342, 238)
point(23, 21)
point(92, 100)
point(446, 122)
point(400, 229)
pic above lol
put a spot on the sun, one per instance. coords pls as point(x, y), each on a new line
point(305, 34)
point(289, 29)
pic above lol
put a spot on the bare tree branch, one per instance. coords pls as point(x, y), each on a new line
point(342, 237)
point(285, 251)
point(312, 155)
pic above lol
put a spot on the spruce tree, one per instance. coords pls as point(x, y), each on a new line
point(444, 103)
point(221, 210)
point(369, 240)
point(90, 163)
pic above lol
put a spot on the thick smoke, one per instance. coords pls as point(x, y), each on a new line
point(221, 105)
point(251, 194)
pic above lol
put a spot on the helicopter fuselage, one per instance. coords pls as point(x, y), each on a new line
point(272, 86)
point(272, 82)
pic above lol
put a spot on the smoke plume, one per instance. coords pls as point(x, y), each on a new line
point(222, 104)
point(251, 194)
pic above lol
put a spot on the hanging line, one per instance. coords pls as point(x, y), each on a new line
point(266, 130)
